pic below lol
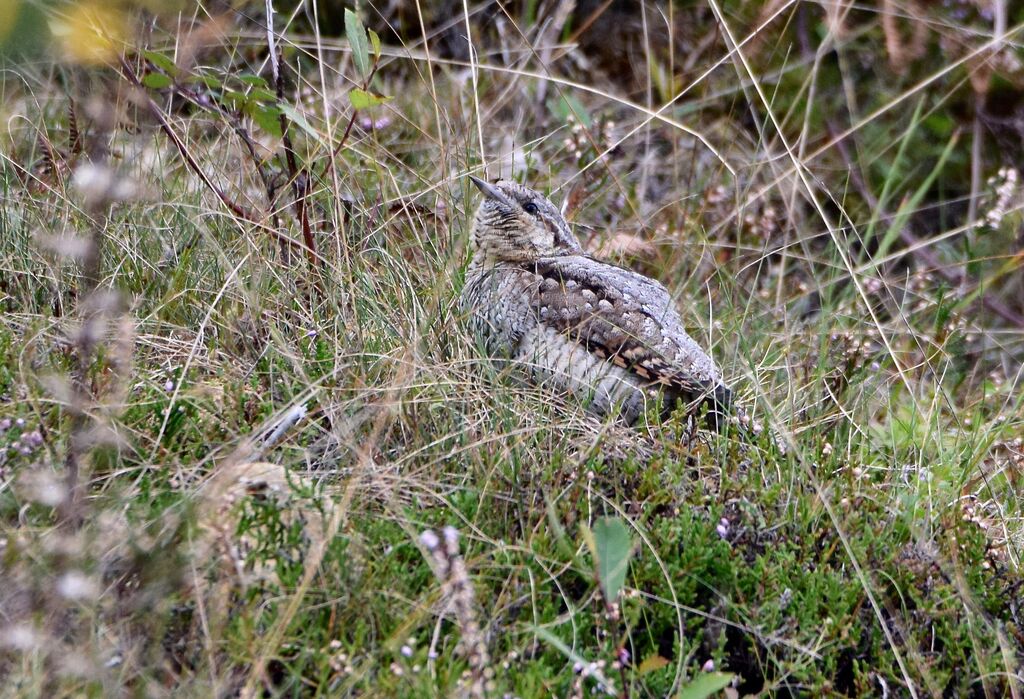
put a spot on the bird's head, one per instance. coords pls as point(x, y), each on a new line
point(517, 224)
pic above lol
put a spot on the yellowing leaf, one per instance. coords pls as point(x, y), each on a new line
point(8, 17)
point(374, 42)
point(361, 99)
point(651, 663)
point(22, 29)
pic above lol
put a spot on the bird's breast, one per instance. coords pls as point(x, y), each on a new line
point(497, 302)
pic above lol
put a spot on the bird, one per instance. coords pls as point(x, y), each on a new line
point(605, 335)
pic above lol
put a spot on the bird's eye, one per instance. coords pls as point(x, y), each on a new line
point(530, 208)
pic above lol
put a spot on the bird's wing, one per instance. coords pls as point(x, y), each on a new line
point(625, 318)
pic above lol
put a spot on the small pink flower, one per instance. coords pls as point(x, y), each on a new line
point(375, 124)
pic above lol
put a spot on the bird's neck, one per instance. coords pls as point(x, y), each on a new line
point(488, 258)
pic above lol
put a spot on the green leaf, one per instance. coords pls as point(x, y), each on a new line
point(268, 118)
point(361, 99)
point(262, 95)
point(234, 98)
point(208, 80)
point(356, 33)
point(299, 120)
point(156, 81)
point(705, 684)
point(612, 547)
point(375, 43)
point(254, 80)
point(164, 63)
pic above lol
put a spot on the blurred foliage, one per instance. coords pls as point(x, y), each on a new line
point(23, 30)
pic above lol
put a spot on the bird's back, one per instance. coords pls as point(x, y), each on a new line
point(604, 333)
point(629, 317)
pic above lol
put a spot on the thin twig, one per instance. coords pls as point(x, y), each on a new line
point(299, 179)
point(351, 120)
point(267, 178)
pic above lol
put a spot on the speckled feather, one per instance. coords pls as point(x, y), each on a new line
point(608, 335)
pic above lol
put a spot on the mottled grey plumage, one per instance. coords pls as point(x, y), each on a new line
point(609, 336)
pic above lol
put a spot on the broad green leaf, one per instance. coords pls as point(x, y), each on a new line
point(164, 63)
point(361, 99)
point(612, 547)
point(234, 98)
point(374, 42)
point(262, 95)
point(254, 80)
point(268, 117)
point(356, 33)
point(297, 118)
point(705, 684)
point(156, 81)
point(208, 80)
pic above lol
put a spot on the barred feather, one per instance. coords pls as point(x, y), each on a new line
point(604, 333)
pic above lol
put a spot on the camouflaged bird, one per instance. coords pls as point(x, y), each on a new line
point(608, 336)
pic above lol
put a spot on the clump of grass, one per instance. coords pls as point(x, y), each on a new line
point(286, 395)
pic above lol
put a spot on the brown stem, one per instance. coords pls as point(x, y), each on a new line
point(351, 120)
point(341, 144)
point(299, 179)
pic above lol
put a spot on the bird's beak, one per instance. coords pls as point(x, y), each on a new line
point(490, 191)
